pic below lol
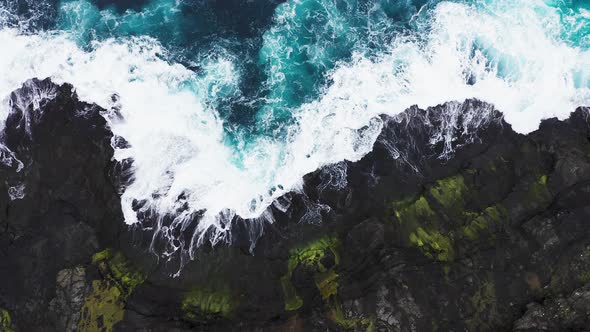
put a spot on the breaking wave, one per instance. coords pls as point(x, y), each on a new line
point(224, 114)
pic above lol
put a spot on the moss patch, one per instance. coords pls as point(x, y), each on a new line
point(105, 305)
point(327, 283)
point(336, 314)
point(449, 193)
point(311, 255)
point(207, 303)
point(292, 300)
point(101, 256)
point(326, 280)
point(433, 244)
point(538, 191)
point(115, 267)
point(439, 217)
point(472, 230)
point(543, 180)
point(490, 216)
point(413, 212)
point(484, 304)
point(5, 321)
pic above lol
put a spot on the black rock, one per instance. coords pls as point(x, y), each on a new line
point(452, 222)
point(66, 207)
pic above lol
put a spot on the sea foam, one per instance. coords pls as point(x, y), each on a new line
point(518, 55)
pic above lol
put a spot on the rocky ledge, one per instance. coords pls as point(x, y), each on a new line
point(452, 222)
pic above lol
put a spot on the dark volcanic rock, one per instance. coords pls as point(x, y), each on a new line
point(571, 313)
point(66, 207)
point(452, 222)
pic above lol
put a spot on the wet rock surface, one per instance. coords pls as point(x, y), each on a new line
point(452, 222)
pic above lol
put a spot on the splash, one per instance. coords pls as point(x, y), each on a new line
point(229, 129)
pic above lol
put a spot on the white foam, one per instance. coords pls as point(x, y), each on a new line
point(177, 139)
point(541, 82)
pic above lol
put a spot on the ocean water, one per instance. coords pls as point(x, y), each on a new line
point(227, 104)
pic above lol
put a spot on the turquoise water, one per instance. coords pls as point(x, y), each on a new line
point(284, 48)
point(227, 104)
point(285, 52)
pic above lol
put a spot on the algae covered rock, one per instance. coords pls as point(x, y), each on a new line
point(104, 306)
point(207, 303)
point(5, 321)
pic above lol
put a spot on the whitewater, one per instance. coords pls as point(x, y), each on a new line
point(222, 124)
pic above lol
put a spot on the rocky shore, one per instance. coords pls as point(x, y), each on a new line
point(454, 222)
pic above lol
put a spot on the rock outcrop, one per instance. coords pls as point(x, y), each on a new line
point(569, 313)
point(452, 222)
point(57, 204)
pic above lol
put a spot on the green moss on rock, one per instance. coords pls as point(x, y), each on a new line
point(292, 300)
point(433, 244)
point(472, 230)
point(336, 314)
point(496, 213)
point(484, 303)
point(491, 215)
point(115, 267)
point(102, 256)
point(5, 321)
point(105, 305)
point(543, 180)
point(437, 219)
point(207, 302)
point(327, 283)
point(311, 255)
point(413, 212)
point(538, 191)
point(449, 193)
